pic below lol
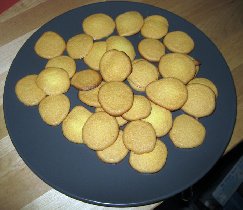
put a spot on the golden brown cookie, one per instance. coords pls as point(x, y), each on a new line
point(151, 49)
point(122, 44)
point(100, 131)
point(114, 153)
point(178, 66)
point(53, 109)
point(201, 100)
point(115, 66)
point(64, 62)
point(150, 162)
point(53, 81)
point(161, 120)
point(140, 109)
point(79, 46)
point(139, 137)
point(178, 41)
point(98, 25)
point(28, 92)
point(129, 23)
point(115, 98)
point(187, 132)
point(72, 126)
point(50, 45)
point(86, 79)
point(169, 93)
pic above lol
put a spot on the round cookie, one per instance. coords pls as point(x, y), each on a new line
point(86, 79)
point(143, 73)
point(92, 59)
point(53, 81)
point(53, 109)
point(115, 66)
point(201, 101)
point(140, 109)
point(178, 66)
point(72, 126)
point(122, 44)
point(98, 25)
point(139, 137)
point(150, 162)
point(169, 93)
point(114, 153)
point(64, 62)
point(155, 27)
point(178, 41)
point(115, 98)
point(161, 120)
point(28, 92)
point(151, 49)
point(129, 23)
point(50, 45)
point(100, 131)
point(187, 132)
point(79, 46)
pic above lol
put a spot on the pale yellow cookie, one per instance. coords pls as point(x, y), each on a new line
point(64, 62)
point(169, 93)
point(150, 162)
point(53, 109)
point(129, 23)
point(187, 132)
point(100, 131)
point(151, 49)
point(139, 137)
point(79, 46)
point(28, 92)
point(72, 126)
point(161, 120)
point(115, 66)
point(50, 45)
point(114, 153)
point(53, 81)
point(98, 25)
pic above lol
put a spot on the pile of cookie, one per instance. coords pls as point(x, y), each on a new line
point(111, 62)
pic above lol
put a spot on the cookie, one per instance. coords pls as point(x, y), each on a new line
point(64, 62)
point(161, 120)
point(155, 27)
point(179, 41)
point(201, 100)
point(100, 131)
point(139, 137)
point(50, 45)
point(140, 109)
point(86, 79)
point(92, 59)
point(150, 162)
point(178, 66)
point(114, 153)
point(129, 23)
point(98, 25)
point(187, 132)
point(53, 109)
point(151, 49)
point(28, 92)
point(72, 126)
point(53, 81)
point(122, 44)
point(196, 62)
point(115, 66)
point(115, 98)
point(79, 46)
point(169, 93)
point(143, 73)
